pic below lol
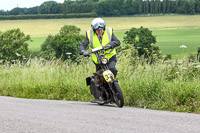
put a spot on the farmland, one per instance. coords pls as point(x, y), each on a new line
point(170, 31)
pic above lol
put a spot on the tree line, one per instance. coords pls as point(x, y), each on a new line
point(111, 7)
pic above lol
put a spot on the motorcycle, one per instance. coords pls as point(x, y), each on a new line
point(103, 85)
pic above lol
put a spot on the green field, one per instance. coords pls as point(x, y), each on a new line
point(35, 44)
point(169, 41)
point(171, 31)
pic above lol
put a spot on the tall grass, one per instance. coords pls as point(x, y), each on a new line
point(44, 80)
point(165, 86)
point(170, 86)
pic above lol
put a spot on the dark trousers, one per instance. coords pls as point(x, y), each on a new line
point(111, 65)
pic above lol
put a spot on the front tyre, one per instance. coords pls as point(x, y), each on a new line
point(118, 95)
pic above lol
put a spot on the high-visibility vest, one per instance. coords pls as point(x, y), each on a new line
point(94, 43)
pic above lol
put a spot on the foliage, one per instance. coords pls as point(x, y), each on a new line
point(50, 7)
point(86, 6)
point(192, 57)
point(167, 57)
point(110, 8)
point(17, 11)
point(63, 45)
point(143, 41)
point(47, 51)
point(13, 45)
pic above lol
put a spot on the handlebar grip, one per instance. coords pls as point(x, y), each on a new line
point(97, 49)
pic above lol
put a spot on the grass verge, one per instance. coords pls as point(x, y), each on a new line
point(173, 86)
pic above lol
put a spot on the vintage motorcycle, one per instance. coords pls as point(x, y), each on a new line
point(103, 84)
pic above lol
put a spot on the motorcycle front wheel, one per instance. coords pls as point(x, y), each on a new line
point(118, 95)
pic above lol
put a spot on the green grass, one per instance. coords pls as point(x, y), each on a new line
point(35, 44)
point(169, 41)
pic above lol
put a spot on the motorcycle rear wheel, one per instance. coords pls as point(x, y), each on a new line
point(118, 96)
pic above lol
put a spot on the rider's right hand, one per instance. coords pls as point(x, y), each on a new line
point(85, 53)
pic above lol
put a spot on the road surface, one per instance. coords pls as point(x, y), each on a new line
point(52, 116)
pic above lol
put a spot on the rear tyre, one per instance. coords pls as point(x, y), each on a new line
point(118, 96)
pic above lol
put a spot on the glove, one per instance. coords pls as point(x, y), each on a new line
point(108, 46)
point(85, 53)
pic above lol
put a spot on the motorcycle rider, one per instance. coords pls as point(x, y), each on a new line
point(100, 35)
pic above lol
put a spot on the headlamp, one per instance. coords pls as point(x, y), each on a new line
point(104, 61)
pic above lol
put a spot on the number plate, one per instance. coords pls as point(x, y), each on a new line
point(108, 75)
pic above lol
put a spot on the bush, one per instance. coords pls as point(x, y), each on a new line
point(13, 45)
point(167, 57)
point(192, 57)
point(47, 51)
point(143, 41)
point(63, 45)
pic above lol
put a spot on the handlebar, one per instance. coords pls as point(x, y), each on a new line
point(97, 49)
point(94, 50)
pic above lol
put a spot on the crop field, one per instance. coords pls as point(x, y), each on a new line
point(170, 31)
point(171, 40)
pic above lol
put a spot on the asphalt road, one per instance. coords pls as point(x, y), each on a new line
point(51, 116)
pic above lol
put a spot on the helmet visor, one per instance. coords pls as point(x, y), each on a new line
point(98, 26)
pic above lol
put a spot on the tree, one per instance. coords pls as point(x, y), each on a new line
point(13, 45)
point(49, 7)
point(17, 11)
point(69, 6)
point(65, 44)
point(197, 6)
point(138, 6)
point(191, 7)
point(143, 41)
point(33, 10)
point(2, 12)
point(47, 51)
point(181, 6)
point(105, 8)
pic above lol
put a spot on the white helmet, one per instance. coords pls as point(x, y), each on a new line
point(98, 24)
